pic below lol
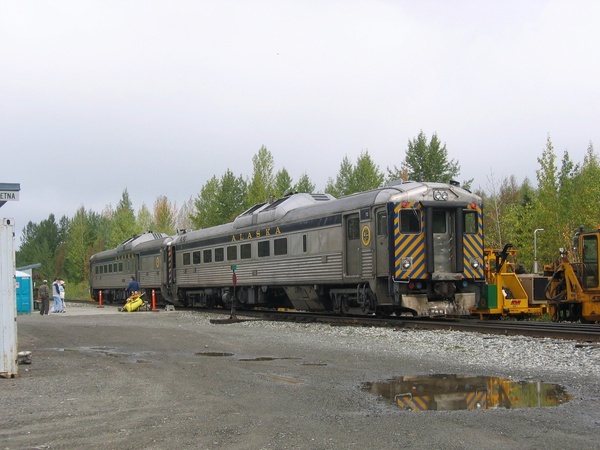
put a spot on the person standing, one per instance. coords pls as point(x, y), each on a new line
point(133, 287)
point(44, 293)
point(57, 307)
point(61, 290)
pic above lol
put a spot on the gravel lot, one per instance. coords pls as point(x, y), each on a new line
point(104, 379)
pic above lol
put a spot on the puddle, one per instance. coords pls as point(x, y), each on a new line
point(266, 358)
point(213, 354)
point(456, 392)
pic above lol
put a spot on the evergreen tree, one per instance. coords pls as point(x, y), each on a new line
point(164, 216)
point(144, 220)
point(586, 187)
point(363, 176)
point(342, 185)
point(283, 184)
point(80, 240)
point(41, 244)
point(304, 185)
point(366, 175)
point(548, 203)
point(206, 208)
point(428, 161)
point(219, 201)
point(261, 187)
point(231, 197)
point(124, 223)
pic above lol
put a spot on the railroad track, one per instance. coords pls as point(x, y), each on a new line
point(573, 331)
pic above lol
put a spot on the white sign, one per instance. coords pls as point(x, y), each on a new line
point(9, 195)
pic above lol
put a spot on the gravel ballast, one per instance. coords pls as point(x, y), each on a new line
point(104, 379)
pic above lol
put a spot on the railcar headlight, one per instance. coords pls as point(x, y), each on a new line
point(475, 264)
point(406, 263)
point(440, 195)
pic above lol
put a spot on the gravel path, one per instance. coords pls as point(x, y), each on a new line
point(104, 379)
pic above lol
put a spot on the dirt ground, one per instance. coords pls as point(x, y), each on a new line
point(160, 380)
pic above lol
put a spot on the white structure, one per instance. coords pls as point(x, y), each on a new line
point(8, 304)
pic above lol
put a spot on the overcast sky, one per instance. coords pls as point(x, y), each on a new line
point(158, 96)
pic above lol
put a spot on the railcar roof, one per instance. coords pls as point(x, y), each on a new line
point(304, 206)
point(145, 240)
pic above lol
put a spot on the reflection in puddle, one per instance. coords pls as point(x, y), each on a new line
point(454, 392)
point(214, 354)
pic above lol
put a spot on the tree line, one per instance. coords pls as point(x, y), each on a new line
point(565, 198)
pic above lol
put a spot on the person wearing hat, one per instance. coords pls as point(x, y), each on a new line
point(61, 291)
point(44, 294)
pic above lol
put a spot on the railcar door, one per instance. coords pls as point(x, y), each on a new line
point(168, 281)
point(353, 249)
point(382, 241)
point(443, 240)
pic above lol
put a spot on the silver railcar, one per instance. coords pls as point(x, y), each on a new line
point(140, 256)
point(409, 247)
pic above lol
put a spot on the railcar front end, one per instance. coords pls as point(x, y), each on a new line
point(437, 250)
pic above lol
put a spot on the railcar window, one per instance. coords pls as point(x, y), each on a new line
point(439, 222)
point(232, 253)
point(196, 257)
point(410, 221)
point(280, 246)
point(110, 266)
point(590, 260)
point(264, 249)
point(96, 270)
point(207, 256)
point(382, 225)
point(590, 250)
point(470, 220)
point(186, 259)
point(304, 243)
point(115, 267)
point(245, 251)
point(120, 267)
point(219, 254)
point(353, 228)
point(275, 204)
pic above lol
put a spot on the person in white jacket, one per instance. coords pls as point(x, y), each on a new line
point(57, 307)
point(61, 293)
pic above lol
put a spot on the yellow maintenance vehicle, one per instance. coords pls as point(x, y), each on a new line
point(505, 295)
point(573, 291)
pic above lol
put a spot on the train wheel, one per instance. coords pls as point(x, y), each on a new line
point(344, 305)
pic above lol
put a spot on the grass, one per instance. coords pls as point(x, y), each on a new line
point(79, 291)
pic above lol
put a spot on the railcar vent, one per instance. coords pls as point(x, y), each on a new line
point(322, 197)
